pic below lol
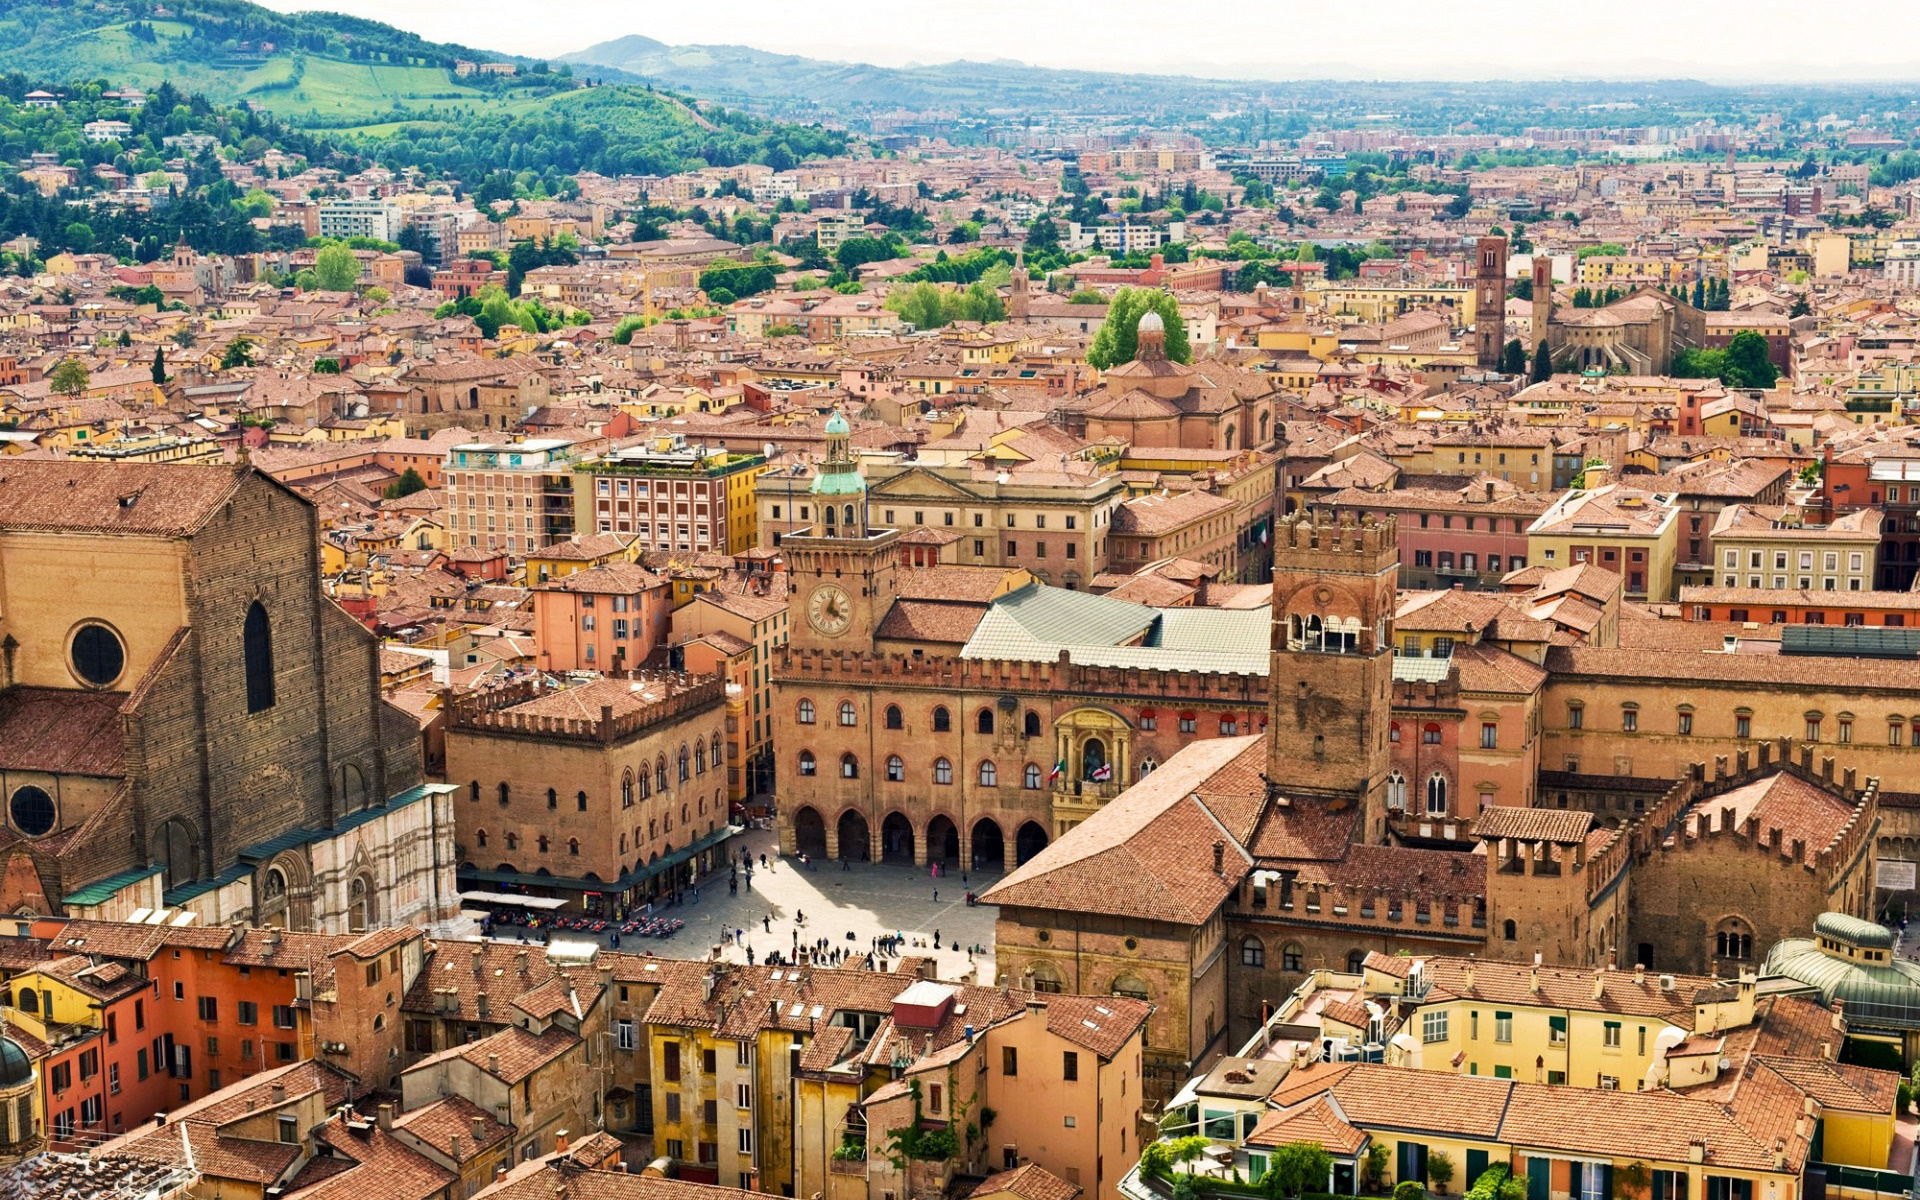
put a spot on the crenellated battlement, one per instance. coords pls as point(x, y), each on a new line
point(493, 711)
point(1687, 818)
point(1301, 541)
point(1062, 676)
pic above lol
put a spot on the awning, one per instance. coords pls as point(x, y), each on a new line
point(567, 883)
point(546, 902)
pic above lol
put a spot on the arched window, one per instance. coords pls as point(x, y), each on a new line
point(713, 752)
point(807, 765)
point(847, 515)
point(257, 639)
point(1396, 792)
point(513, 841)
point(473, 790)
point(1031, 726)
point(685, 774)
point(480, 838)
point(506, 792)
point(1436, 795)
point(1045, 977)
point(1253, 952)
point(1733, 938)
point(896, 769)
point(544, 843)
point(1132, 987)
point(1291, 957)
point(580, 798)
point(573, 845)
point(941, 720)
point(1148, 766)
point(626, 790)
point(646, 784)
point(1430, 734)
point(699, 758)
point(849, 767)
point(806, 712)
point(362, 911)
point(983, 721)
point(553, 798)
point(1509, 930)
point(660, 774)
point(847, 714)
point(942, 771)
point(894, 720)
point(1030, 777)
point(989, 774)
point(29, 1000)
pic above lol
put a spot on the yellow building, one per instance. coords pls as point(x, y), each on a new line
point(1378, 304)
point(1628, 270)
point(1629, 532)
point(583, 550)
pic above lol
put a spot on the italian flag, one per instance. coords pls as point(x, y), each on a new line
point(1059, 769)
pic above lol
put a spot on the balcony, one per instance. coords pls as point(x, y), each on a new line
point(847, 1166)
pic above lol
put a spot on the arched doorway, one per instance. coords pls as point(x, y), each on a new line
point(1029, 841)
point(854, 838)
point(989, 845)
point(943, 842)
point(896, 839)
point(809, 833)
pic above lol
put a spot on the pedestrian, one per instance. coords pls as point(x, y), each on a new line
point(763, 861)
point(936, 894)
point(844, 864)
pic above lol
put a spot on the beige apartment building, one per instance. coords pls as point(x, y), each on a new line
point(1627, 531)
point(1051, 518)
point(1769, 546)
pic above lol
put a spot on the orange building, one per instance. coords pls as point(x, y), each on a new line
point(605, 618)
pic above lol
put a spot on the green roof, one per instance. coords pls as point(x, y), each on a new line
point(1036, 623)
point(1854, 930)
point(838, 483)
point(102, 890)
point(1882, 996)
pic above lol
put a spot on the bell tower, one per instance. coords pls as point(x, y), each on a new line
point(840, 570)
point(1542, 298)
point(1490, 301)
point(1330, 687)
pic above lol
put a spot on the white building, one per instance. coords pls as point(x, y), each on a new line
point(370, 218)
point(106, 131)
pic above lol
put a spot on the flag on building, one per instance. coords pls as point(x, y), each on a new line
point(1059, 769)
point(1103, 772)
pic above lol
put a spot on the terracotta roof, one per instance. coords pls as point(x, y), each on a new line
point(61, 731)
point(437, 1124)
point(1157, 834)
point(1566, 826)
point(1029, 1182)
point(930, 621)
point(155, 499)
point(1315, 1121)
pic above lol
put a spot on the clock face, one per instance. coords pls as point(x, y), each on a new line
point(830, 609)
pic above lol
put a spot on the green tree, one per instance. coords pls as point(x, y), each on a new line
point(335, 268)
point(1513, 359)
point(70, 379)
point(1542, 362)
point(407, 484)
point(79, 237)
point(1747, 364)
point(923, 306)
point(1440, 1169)
point(1800, 307)
point(1700, 293)
point(239, 353)
point(1117, 342)
point(1086, 296)
point(159, 366)
point(1295, 1168)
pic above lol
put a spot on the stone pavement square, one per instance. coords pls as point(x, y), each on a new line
point(868, 899)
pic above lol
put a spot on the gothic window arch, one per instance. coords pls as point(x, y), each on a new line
point(989, 774)
point(806, 712)
point(1291, 957)
point(1030, 777)
point(896, 769)
point(684, 768)
point(1396, 792)
point(849, 715)
point(1031, 727)
point(1436, 795)
point(983, 721)
point(363, 910)
point(176, 846)
point(807, 764)
point(849, 766)
point(942, 771)
point(1253, 952)
point(626, 789)
point(942, 720)
point(256, 637)
point(894, 720)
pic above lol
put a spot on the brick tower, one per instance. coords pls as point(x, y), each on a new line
point(1542, 298)
point(1490, 300)
point(1331, 683)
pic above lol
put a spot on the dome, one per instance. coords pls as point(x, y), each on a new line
point(15, 1067)
point(837, 424)
point(1151, 323)
point(1865, 934)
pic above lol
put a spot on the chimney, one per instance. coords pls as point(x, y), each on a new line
point(1599, 983)
point(500, 1172)
point(493, 1064)
point(453, 1147)
point(1219, 858)
point(1469, 975)
point(386, 1116)
point(479, 959)
point(277, 1093)
point(521, 959)
point(560, 1142)
point(479, 1131)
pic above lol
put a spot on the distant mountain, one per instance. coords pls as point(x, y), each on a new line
point(789, 83)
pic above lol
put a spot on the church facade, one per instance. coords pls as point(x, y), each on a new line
point(187, 722)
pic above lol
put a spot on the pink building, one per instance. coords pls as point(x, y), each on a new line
point(605, 618)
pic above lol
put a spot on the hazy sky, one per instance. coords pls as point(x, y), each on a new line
point(1421, 39)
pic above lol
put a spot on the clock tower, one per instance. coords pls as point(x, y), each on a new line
point(841, 571)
